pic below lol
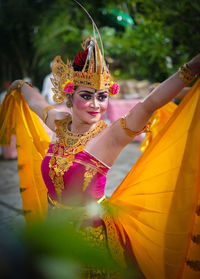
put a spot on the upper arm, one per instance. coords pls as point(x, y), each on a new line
point(135, 120)
point(138, 116)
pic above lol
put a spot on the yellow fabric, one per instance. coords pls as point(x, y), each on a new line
point(157, 122)
point(32, 143)
point(157, 203)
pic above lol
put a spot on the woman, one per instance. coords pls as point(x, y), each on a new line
point(77, 163)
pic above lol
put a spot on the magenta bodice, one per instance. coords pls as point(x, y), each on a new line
point(85, 178)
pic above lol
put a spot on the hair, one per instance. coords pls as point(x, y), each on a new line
point(77, 68)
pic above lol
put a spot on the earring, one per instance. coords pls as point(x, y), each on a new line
point(69, 103)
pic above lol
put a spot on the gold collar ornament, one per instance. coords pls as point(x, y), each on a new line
point(93, 74)
point(73, 143)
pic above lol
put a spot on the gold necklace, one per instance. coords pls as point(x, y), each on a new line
point(67, 146)
point(71, 141)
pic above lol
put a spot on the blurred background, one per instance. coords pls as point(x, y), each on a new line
point(143, 40)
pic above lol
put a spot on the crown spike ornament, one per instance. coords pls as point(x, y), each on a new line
point(88, 69)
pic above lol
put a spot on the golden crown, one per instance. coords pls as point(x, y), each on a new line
point(94, 73)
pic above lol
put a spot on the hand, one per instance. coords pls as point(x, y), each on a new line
point(55, 114)
point(13, 85)
point(194, 64)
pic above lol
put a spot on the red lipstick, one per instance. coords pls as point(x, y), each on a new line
point(93, 113)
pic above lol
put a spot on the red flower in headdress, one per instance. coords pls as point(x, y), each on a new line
point(80, 58)
point(68, 87)
point(114, 88)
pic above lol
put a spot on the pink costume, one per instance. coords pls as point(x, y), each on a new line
point(84, 181)
point(75, 178)
point(69, 171)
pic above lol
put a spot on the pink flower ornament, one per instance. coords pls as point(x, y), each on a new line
point(68, 87)
point(114, 88)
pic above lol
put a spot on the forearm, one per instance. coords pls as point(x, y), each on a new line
point(170, 88)
point(38, 104)
point(163, 93)
point(34, 99)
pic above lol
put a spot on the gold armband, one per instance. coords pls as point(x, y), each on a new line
point(185, 74)
point(21, 83)
point(45, 113)
point(129, 132)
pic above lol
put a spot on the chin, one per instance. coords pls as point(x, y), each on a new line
point(96, 118)
point(93, 120)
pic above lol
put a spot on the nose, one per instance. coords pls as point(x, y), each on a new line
point(95, 102)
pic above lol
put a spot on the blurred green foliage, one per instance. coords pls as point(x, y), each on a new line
point(160, 38)
point(19, 57)
point(53, 249)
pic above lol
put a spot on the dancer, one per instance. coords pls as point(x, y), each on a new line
point(154, 212)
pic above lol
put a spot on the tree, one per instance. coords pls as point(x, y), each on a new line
point(18, 23)
point(166, 36)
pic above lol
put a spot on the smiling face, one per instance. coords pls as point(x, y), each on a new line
point(89, 105)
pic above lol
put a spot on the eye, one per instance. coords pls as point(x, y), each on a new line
point(102, 97)
point(86, 96)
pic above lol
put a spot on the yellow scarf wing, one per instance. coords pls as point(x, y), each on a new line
point(158, 203)
point(157, 122)
point(32, 143)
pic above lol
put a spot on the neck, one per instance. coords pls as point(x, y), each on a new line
point(78, 126)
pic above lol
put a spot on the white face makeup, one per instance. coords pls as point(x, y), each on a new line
point(89, 105)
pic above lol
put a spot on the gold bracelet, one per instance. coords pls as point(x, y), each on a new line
point(185, 74)
point(45, 113)
point(21, 83)
point(129, 132)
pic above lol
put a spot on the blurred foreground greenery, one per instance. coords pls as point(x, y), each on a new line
point(144, 39)
point(54, 248)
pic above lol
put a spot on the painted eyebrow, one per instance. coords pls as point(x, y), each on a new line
point(103, 92)
point(85, 91)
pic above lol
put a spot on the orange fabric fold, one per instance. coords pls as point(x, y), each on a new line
point(158, 203)
point(32, 143)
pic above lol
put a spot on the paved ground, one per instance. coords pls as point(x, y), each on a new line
point(10, 201)
point(123, 164)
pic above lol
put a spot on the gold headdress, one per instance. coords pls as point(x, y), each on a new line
point(94, 73)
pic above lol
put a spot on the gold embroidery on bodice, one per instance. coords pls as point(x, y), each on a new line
point(64, 151)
